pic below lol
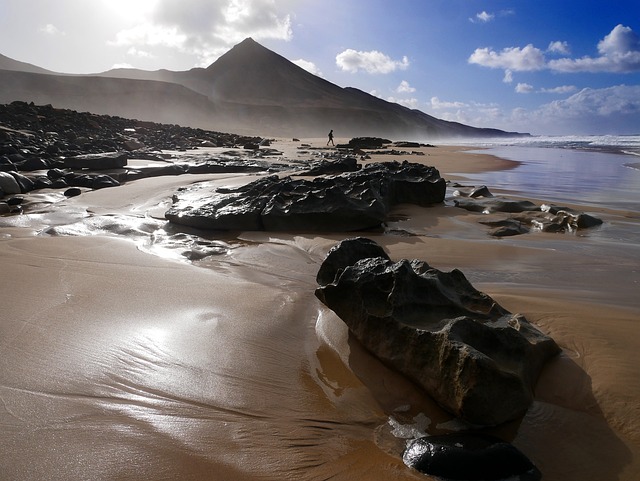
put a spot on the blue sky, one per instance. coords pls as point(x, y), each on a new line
point(546, 67)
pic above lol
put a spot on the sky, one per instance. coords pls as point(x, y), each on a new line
point(547, 67)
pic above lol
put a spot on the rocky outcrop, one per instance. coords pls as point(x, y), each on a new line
point(348, 202)
point(468, 457)
point(527, 216)
point(476, 359)
point(58, 148)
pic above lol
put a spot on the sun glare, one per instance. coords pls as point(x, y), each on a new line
point(135, 10)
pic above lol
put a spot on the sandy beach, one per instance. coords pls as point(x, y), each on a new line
point(122, 360)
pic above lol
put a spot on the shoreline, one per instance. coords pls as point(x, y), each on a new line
point(167, 363)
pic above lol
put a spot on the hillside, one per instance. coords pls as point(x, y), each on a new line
point(250, 90)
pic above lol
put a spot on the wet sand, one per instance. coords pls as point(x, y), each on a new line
point(121, 359)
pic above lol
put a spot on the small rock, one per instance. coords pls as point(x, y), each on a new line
point(469, 457)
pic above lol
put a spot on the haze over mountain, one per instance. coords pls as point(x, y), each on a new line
point(250, 89)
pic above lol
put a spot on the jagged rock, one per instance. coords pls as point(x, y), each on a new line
point(337, 166)
point(102, 161)
point(476, 359)
point(347, 202)
point(468, 457)
point(351, 251)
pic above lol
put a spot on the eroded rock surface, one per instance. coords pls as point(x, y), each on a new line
point(475, 358)
point(347, 202)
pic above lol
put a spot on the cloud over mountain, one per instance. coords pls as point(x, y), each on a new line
point(373, 62)
point(207, 29)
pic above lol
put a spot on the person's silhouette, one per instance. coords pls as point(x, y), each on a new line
point(331, 138)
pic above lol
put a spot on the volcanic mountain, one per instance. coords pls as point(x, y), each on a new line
point(249, 89)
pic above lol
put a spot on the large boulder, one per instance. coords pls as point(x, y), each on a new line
point(476, 359)
point(347, 202)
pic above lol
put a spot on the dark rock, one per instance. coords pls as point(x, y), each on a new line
point(25, 183)
point(409, 183)
point(481, 191)
point(469, 456)
point(346, 254)
point(346, 202)
point(366, 143)
point(72, 192)
point(42, 182)
point(33, 163)
point(477, 360)
point(79, 180)
point(103, 181)
point(8, 184)
point(60, 183)
point(337, 166)
point(15, 200)
point(54, 174)
point(584, 221)
point(102, 161)
point(325, 205)
point(6, 165)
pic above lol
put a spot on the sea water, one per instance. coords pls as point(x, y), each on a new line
point(602, 171)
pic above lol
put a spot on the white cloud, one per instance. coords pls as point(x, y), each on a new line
point(51, 29)
point(516, 59)
point(559, 47)
point(524, 88)
point(619, 52)
point(150, 35)
point(134, 52)
point(411, 103)
point(404, 87)
point(483, 17)
point(205, 28)
point(563, 89)
point(373, 62)
point(606, 102)
point(308, 66)
point(438, 104)
point(121, 65)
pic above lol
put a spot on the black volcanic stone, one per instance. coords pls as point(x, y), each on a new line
point(473, 357)
point(72, 192)
point(469, 457)
point(347, 202)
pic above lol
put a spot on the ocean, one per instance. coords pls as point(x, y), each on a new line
point(598, 171)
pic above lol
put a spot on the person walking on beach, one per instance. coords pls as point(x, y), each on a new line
point(331, 138)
